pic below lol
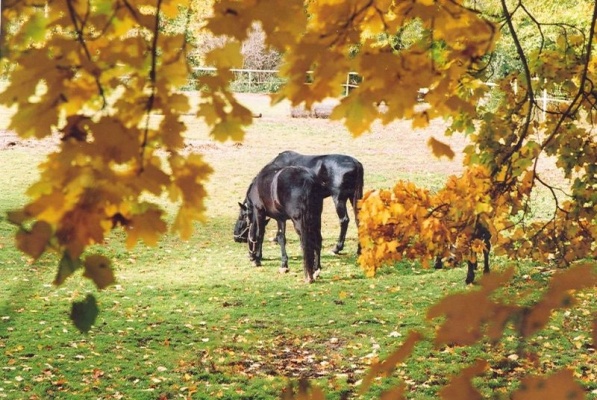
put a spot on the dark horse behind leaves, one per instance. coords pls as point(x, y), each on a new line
point(339, 174)
point(283, 193)
point(480, 232)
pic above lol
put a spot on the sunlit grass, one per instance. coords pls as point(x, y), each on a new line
point(194, 319)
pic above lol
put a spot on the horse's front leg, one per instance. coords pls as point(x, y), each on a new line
point(344, 220)
point(256, 233)
point(470, 275)
point(281, 239)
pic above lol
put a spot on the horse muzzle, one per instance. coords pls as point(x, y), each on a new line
point(240, 239)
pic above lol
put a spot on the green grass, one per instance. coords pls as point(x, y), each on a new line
point(195, 320)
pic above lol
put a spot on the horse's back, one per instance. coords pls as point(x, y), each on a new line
point(338, 172)
point(283, 192)
point(294, 187)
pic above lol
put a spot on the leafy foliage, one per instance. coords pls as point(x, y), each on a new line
point(93, 73)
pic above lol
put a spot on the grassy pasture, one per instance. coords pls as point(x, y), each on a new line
point(195, 320)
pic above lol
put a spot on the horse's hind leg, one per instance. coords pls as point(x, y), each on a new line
point(356, 220)
point(317, 255)
point(438, 264)
point(344, 220)
point(281, 239)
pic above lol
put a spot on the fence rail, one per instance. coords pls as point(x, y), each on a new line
point(254, 77)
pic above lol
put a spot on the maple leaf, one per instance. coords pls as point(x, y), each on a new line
point(388, 365)
point(34, 241)
point(440, 149)
point(460, 386)
point(560, 385)
point(66, 268)
point(467, 313)
point(396, 393)
point(357, 113)
point(98, 269)
point(558, 296)
point(225, 57)
point(171, 8)
point(147, 226)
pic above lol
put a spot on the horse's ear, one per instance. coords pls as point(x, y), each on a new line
point(242, 206)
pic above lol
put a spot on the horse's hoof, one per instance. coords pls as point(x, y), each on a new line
point(256, 263)
point(316, 273)
point(309, 280)
point(283, 270)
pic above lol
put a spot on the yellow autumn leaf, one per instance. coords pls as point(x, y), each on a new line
point(147, 226)
point(232, 18)
point(185, 218)
point(173, 74)
point(390, 363)
point(99, 270)
point(171, 8)
point(421, 120)
point(356, 113)
point(34, 242)
point(172, 130)
point(440, 149)
point(178, 103)
point(228, 129)
point(226, 57)
point(34, 120)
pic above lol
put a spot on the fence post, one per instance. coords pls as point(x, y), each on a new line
point(347, 83)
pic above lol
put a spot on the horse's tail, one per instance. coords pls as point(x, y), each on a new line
point(311, 226)
point(358, 195)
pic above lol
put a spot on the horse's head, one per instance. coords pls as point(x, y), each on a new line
point(241, 228)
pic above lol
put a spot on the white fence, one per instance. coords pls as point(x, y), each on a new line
point(253, 78)
point(544, 100)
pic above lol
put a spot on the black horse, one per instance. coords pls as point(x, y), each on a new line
point(480, 232)
point(283, 193)
point(340, 175)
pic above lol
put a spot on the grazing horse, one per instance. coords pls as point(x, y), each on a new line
point(283, 193)
point(340, 175)
point(480, 232)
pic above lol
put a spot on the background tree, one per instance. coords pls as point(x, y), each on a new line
point(93, 72)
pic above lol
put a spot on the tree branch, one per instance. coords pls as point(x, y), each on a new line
point(152, 80)
point(79, 26)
